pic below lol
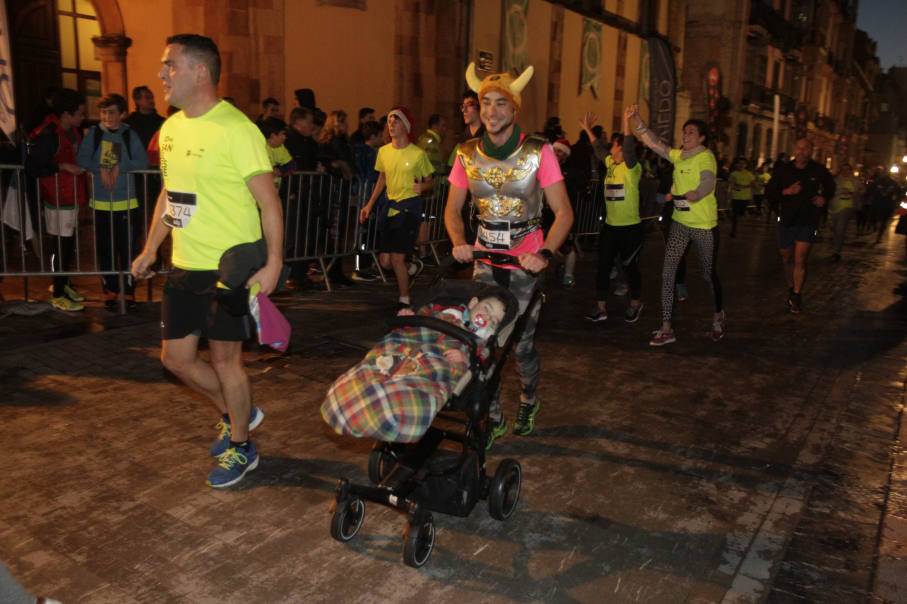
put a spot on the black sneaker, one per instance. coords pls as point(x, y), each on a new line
point(525, 421)
point(632, 314)
point(597, 315)
point(796, 304)
point(400, 306)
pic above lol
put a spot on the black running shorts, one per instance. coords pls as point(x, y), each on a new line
point(399, 234)
point(190, 307)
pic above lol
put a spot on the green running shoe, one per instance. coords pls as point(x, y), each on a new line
point(496, 429)
point(525, 420)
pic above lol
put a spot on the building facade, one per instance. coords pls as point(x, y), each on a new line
point(788, 68)
point(354, 53)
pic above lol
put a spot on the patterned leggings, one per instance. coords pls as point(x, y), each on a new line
point(706, 243)
point(522, 286)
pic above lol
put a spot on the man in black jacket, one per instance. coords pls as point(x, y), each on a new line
point(802, 187)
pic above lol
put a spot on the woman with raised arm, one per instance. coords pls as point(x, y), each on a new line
point(695, 218)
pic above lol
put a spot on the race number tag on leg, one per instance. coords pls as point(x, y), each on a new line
point(495, 236)
point(180, 209)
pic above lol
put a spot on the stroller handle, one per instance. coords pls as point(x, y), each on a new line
point(497, 258)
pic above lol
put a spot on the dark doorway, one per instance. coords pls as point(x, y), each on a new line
point(35, 49)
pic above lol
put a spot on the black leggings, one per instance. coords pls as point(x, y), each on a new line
point(623, 241)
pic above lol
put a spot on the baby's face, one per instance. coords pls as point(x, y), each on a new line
point(487, 311)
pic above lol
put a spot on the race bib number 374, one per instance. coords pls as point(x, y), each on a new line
point(180, 209)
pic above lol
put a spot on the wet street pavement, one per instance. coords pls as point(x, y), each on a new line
point(767, 467)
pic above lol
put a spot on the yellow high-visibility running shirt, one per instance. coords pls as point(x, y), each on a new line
point(206, 162)
point(702, 214)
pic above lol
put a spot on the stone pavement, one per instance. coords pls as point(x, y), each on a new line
point(768, 467)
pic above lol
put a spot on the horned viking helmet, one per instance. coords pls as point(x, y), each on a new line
point(500, 82)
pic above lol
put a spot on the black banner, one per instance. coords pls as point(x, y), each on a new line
point(662, 87)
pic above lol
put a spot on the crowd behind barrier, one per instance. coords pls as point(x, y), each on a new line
point(321, 223)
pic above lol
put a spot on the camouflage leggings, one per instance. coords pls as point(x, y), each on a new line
point(521, 285)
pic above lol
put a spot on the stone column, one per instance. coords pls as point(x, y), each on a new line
point(112, 49)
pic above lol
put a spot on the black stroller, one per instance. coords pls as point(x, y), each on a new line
point(425, 477)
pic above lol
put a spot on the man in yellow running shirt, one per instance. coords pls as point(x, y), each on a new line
point(217, 179)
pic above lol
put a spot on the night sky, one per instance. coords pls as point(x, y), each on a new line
point(884, 21)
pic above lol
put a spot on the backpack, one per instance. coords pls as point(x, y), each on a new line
point(97, 137)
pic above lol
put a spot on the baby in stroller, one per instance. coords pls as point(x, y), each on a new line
point(424, 392)
point(394, 393)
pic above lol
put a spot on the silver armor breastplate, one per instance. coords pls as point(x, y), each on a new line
point(504, 190)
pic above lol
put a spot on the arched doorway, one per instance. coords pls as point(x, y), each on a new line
point(76, 44)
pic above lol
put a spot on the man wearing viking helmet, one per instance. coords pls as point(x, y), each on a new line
point(507, 172)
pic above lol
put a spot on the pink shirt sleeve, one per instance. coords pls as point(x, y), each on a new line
point(457, 175)
point(549, 170)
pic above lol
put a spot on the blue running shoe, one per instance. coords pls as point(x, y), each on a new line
point(233, 465)
point(222, 442)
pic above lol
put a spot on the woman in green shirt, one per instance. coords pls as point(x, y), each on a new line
point(695, 218)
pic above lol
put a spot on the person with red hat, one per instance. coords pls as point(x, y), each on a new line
point(507, 172)
point(406, 172)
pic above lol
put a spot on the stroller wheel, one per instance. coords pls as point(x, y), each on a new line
point(504, 490)
point(380, 462)
point(347, 518)
point(418, 540)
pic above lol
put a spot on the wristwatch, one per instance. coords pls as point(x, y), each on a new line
point(548, 254)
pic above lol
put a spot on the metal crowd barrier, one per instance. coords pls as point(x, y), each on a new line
point(30, 247)
point(321, 223)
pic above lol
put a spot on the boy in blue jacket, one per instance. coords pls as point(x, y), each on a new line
point(110, 151)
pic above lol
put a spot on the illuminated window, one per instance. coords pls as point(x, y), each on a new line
point(79, 59)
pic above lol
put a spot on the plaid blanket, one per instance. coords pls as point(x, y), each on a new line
point(394, 393)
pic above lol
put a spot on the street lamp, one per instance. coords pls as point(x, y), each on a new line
point(894, 170)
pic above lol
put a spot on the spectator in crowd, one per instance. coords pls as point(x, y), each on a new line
point(62, 188)
point(469, 107)
point(145, 120)
point(430, 141)
point(366, 154)
point(274, 130)
point(334, 146)
point(110, 151)
point(300, 143)
point(43, 109)
point(270, 107)
point(366, 115)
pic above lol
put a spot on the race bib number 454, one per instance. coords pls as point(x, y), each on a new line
point(180, 209)
point(492, 238)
